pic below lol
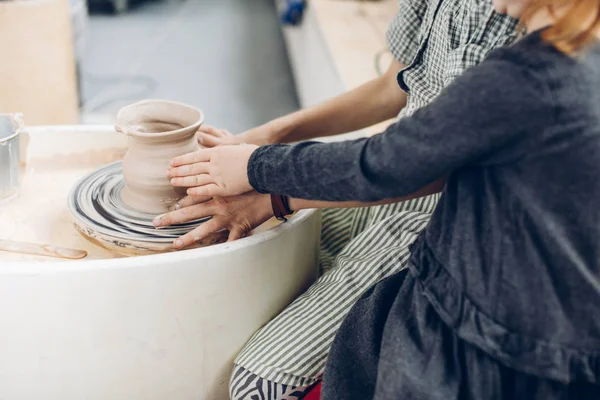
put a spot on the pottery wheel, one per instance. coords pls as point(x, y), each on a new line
point(98, 211)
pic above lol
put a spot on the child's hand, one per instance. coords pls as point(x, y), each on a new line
point(220, 171)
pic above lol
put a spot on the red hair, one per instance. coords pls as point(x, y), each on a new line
point(577, 27)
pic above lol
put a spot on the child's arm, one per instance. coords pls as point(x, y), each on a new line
point(489, 108)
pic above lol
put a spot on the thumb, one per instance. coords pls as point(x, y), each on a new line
point(236, 233)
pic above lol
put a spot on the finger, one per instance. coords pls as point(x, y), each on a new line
point(190, 158)
point(210, 189)
point(218, 133)
point(188, 201)
point(224, 133)
point(192, 181)
point(210, 130)
point(185, 214)
point(188, 169)
point(235, 234)
point(205, 229)
point(209, 140)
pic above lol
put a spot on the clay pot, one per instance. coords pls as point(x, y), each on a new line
point(158, 130)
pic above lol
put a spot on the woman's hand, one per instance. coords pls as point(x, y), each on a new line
point(220, 171)
point(209, 136)
point(237, 214)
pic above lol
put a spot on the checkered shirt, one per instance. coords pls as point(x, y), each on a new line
point(463, 34)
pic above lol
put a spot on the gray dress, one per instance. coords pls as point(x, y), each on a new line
point(438, 40)
point(501, 299)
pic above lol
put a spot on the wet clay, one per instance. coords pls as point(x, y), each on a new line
point(158, 130)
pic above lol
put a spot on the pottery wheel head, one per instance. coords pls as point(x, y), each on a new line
point(98, 211)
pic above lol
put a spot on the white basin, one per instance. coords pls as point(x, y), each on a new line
point(163, 326)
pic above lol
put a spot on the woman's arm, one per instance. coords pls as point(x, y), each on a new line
point(375, 101)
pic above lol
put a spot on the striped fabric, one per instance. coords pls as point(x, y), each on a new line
point(300, 337)
point(246, 385)
point(437, 39)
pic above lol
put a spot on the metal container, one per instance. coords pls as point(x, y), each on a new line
point(10, 130)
